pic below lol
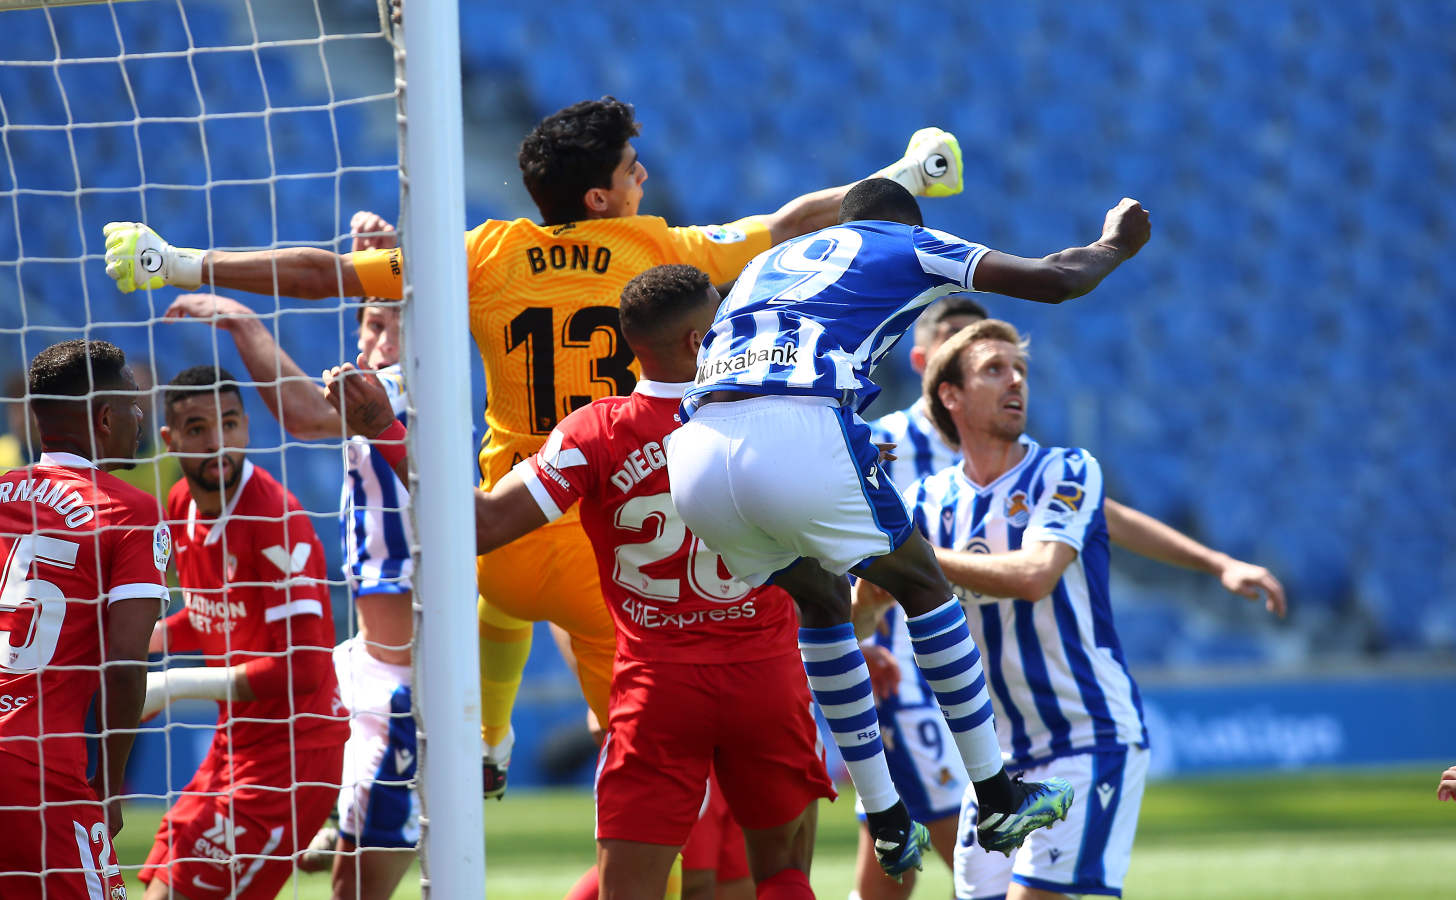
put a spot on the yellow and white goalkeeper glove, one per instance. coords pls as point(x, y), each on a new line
point(931, 166)
point(137, 257)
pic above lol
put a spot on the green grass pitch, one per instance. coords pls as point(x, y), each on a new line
point(1322, 836)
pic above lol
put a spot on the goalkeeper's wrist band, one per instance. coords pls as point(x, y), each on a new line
point(186, 268)
point(902, 172)
point(390, 443)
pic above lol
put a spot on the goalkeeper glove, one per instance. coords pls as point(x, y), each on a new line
point(137, 257)
point(931, 166)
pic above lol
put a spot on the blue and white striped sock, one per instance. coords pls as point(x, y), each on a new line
point(950, 661)
point(840, 682)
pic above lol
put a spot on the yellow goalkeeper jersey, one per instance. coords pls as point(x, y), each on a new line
point(543, 311)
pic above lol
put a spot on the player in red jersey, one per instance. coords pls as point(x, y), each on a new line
point(82, 585)
point(257, 608)
point(707, 673)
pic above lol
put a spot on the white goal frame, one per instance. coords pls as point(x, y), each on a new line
point(436, 362)
point(447, 708)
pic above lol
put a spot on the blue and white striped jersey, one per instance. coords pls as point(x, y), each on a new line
point(1057, 673)
point(815, 315)
point(919, 448)
point(374, 513)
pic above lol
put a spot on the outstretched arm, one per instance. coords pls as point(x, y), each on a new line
point(805, 213)
point(1147, 536)
point(931, 167)
point(1071, 272)
point(137, 257)
point(293, 398)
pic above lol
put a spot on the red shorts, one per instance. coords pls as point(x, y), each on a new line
point(716, 841)
point(670, 723)
point(234, 830)
point(60, 850)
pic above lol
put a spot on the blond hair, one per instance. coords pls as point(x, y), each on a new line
point(944, 367)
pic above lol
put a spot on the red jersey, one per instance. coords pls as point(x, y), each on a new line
point(74, 540)
point(256, 588)
point(670, 596)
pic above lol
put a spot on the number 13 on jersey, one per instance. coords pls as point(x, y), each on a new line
point(553, 391)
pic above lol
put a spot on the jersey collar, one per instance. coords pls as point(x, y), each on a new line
point(215, 534)
point(668, 390)
point(65, 460)
point(1031, 448)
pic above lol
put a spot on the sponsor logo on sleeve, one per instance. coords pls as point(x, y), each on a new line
point(1066, 502)
point(723, 234)
point(161, 546)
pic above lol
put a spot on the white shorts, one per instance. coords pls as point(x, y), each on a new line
point(767, 480)
point(1087, 854)
point(378, 806)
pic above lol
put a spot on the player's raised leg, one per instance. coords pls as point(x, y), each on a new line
point(951, 663)
point(840, 683)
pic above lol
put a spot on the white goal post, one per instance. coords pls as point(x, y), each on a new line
point(448, 708)
point(435, 360)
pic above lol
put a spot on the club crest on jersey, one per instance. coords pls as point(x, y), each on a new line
point(230, 567)
point(161, 546)
point(723, 234)
point(1018, 513)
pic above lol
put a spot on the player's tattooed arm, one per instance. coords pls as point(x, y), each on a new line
point(1146, 536)
point(358, 394)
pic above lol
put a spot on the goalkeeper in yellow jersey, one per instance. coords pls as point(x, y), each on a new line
point(543, 311)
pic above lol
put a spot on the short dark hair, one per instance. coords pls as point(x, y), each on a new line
point(572, 151)
point(880, 199)
point(207, 380)
point(957, 304)
point(74, 369)
point(657, 299)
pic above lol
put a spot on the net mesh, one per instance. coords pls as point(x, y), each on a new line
point(228, 125)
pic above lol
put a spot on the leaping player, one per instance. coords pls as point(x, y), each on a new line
point(543, 312)
point(707, 676)
point(775, 471)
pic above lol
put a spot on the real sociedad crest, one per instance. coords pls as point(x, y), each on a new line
point(1018, 513)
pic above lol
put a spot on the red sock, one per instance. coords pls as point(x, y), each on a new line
point(585, 887)
point(787, 884)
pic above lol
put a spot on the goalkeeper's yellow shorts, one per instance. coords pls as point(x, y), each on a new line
point(550, 575)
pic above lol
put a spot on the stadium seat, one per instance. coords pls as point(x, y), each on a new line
point(1234, 377)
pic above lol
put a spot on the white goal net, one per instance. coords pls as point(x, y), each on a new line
point(254, 126)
